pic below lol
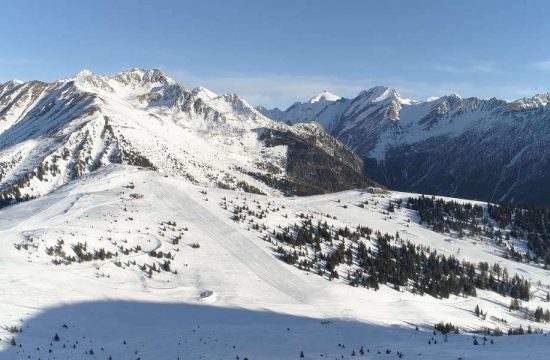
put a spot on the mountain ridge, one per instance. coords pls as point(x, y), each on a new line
point(450, 145)
point(51, 133)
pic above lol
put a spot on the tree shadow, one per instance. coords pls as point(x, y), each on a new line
point(147, 330)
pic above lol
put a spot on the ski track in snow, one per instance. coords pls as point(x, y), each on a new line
point(238, 245)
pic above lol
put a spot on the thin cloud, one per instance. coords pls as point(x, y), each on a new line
point(447, 68)
point(542, 65)
point(272, 89)
point(487, 67)
point(425, 90)
point(278, 90)
point(4, 61)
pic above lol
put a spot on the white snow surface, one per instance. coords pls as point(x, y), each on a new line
point(325, 95)
point(204, 94)
point(231, 295)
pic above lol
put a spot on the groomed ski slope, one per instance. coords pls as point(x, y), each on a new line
point(231, 296)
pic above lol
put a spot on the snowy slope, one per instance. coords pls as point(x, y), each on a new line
point(230, 295)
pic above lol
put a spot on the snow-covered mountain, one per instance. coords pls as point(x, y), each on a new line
point(469, 147)
point(157, 227)
point(323, 108)
point(51, 133)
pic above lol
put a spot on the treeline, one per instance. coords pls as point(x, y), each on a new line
point(445, 216)
point(530, 223)
point(374, 259)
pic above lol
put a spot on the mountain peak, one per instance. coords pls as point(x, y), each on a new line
point(325, 95)
point(203, 93)
point(87, 79)
point(539, 100)
point(12, 83)
point(139, 75)
point(379, 93)
point(134, 77)
point(84, 72)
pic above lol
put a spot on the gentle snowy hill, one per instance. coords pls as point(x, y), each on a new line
point(51, 133)
point(129, 263)
point(492, 149)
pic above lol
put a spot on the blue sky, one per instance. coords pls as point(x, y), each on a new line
point(276, 52)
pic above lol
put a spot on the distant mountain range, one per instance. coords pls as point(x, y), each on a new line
point(491, 150)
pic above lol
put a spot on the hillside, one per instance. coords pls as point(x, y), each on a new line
point(127, 263)
point(492, 150)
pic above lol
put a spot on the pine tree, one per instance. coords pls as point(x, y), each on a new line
point(514, 304)
point(539, 314)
